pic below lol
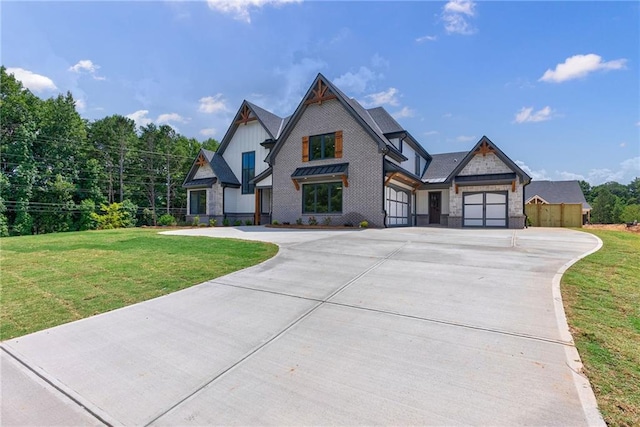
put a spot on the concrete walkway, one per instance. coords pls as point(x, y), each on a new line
point(397, 326)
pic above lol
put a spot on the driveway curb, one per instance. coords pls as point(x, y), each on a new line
point(583, 386)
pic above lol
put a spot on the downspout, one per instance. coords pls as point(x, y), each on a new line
point(384, 211)
point(224, 211)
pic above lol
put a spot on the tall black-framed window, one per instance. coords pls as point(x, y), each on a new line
point(248, 171)
point(323, 197)
point(198, 202)
point(322, 146)
point(417, 165)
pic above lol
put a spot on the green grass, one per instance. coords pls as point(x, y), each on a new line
point(601, 295)
point(52, 279)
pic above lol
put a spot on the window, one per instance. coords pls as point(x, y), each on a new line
point(322, 146)
point(248, 171)
point(198, 202)
point(322, 198)
point(417, 167)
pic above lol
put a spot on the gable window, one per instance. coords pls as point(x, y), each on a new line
point(248, 171)
point(322, 146)
point(323, 197)
point(198, 202)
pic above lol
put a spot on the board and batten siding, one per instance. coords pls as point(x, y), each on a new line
point(247, 137)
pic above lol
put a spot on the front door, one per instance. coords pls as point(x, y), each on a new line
point(435, 203)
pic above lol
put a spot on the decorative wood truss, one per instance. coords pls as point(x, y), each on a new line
point(245, 114)
point(201, 160)
point(484, 149)
point(404, 179)
point(319, 94)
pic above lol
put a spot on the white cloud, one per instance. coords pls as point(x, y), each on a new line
point(355, 82)
point(81, 105)
point(86, 65)
point(570, 176)
point(456, 14)
point(404, 112)
point(463, 138)
point(140, 117)
point(296, 82)
point(623, 144)
point(212, 104)
point(431, 132)
point(579, 66)
point(171, 117)
point(32, 81)
point(379, 62)
point(386, 97)
point(447, 115)
point(526, 114)
point(638, 123)
point(538, 175)
point(241, 9)
point(426, 38)
point(208, 132)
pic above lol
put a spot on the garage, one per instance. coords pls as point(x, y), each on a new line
point(397, 205)
point(485, 209)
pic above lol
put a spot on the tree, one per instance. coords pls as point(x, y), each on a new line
point(586, 190)
point(606, 207)
point(210, 144)
point(634, 191)
point(630, 213)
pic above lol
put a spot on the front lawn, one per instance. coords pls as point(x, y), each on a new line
point(51, 279)
point(601, 295)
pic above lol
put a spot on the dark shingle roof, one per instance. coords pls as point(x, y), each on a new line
point(270, 121)
point(442, 165)
point(200, 182)
point(221, 168)
point(556, 192)
point(384, 120)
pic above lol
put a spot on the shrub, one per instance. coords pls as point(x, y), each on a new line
point(299, 221)
point(213, 222)
point(327, 221)
point(248, 222)
point(275, 222)
point(147, 217)
point(115, 215)
point(364, 224)
point(348, 224)
point(313, 220)
point(195, 221)
point(167, 220)
point(86, 221)
point(237, 223)
point(225, 222)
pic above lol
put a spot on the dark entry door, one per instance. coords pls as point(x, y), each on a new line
point(435, 203)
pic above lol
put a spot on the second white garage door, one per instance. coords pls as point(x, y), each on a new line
point(487, 209)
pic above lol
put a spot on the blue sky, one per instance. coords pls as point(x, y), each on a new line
point(556, 85)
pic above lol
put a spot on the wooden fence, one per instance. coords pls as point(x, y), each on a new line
point(554, 215)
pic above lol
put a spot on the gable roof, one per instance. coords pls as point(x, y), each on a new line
point(353, 107)
point(486, 142)
point(271, 123)
point(556, 192)
point(219, 166)
point(385, 121)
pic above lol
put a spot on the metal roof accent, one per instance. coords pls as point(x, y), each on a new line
point(324, 170)
point(486, 177)
point(201, 182)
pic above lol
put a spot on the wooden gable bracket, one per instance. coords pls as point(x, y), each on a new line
point(201, 160)
point(513, 186)
point(295, 184)
point(484, 149)
point(390, 177)
point(319, 94)
point(244, 116)
point(345, 182)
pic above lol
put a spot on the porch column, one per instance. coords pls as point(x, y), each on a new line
point(256, 213)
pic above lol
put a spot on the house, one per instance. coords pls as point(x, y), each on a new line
point(558, 192)
point(341, 163)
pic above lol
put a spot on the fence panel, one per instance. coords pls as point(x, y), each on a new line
point(554, 215)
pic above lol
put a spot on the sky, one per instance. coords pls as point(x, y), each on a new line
point(555, 85)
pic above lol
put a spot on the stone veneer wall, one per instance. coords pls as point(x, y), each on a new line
point(362, 199)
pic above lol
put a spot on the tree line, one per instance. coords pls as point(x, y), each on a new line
point(58, 170)
point(613, 203)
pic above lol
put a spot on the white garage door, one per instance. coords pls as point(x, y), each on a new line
point(397, 205)
point(485, 209)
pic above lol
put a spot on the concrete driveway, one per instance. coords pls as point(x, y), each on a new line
point(423, 326)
